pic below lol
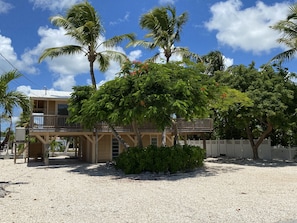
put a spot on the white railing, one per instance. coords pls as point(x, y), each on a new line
point(241, 148)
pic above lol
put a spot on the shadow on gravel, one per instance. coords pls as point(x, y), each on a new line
point(4, 184)
point(208, 170)
point(56, 163)
point(108, 169)
point(251, 162)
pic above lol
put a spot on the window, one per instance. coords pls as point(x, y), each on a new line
point(154, 140)
point(115, 148)
point(62, 109)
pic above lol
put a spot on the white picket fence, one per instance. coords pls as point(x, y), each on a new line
point(240, 148)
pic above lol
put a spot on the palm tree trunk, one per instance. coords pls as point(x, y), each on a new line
point(94, 84)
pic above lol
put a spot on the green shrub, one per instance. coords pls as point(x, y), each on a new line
point(160, 159)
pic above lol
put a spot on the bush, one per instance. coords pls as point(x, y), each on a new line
point(160, 159)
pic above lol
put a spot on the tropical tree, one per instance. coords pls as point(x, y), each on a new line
point(164, 29)
point(11, 99)
point(288, 30)
point(273, 102)
point(150, 93)
point(83, 24)
point(214, 61)
point(81, 95)
point(23, 120)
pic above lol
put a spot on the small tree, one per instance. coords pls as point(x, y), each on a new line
point(272, 93)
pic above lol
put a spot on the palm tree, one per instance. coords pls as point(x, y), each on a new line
point(214, 61)
point(288, 29)
point(11, 99)
point(164, 28)
point(82, 23)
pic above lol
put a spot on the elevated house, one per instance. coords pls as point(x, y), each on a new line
point(49, 122)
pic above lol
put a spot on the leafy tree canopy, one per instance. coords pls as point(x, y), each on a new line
point(150, 93)
point(272, 93)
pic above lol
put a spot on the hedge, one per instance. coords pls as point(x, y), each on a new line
point(160, 159)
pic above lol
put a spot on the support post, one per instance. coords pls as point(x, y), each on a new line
point(46, 153)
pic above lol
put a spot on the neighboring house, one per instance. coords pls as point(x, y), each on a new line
point(49, 121)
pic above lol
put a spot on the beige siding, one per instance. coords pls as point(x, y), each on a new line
point(51, 108)
point(104, 153)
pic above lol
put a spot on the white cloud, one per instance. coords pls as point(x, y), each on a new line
point(164, 2)
point(174, 57)
point(135, 55)
point(9, 59)
point(228, 61)
point(54, 6)
point(24, 89)
point(121, 20)
point(65, 68)
point(5, 7)
point(246, 28)
point(64, 82)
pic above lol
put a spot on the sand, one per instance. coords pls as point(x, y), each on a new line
point(224, 190)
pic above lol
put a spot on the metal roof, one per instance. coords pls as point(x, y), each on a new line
point(49, 94)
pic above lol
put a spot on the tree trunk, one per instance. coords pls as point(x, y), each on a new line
point(255, 145)
point(137, 133)
point(175, 132)
point(164, 138)
point(118, 137)
point(94, 84)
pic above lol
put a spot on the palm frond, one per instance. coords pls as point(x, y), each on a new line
point(11, 99)
point(103, 61)
point(186, 54)
point(288, 30)
point(60, 21)
point(143, 43)
point(116, 56)
point(284, 56)
point(154, 58)
point(118, 39)
point(58, 51)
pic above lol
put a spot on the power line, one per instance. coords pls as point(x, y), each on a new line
point(18, 71)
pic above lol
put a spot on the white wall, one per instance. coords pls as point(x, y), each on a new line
point(240, 148)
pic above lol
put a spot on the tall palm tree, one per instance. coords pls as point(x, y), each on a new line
point(82, 23)
point(288, 29)
point(214, 61)
point(11, 99)
point(164, 28)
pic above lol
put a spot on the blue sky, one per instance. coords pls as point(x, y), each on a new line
point(237, 28)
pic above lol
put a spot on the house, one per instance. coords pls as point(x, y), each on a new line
point(49, 122)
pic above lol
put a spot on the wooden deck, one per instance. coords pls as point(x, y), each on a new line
point(57, 123)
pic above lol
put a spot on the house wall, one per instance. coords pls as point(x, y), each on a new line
point(104, 148)
point(146, 140)
point(51, 108)
point(105, 145)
